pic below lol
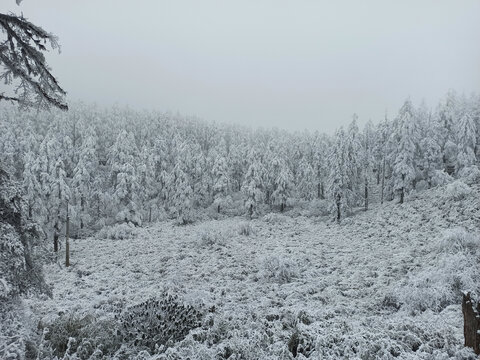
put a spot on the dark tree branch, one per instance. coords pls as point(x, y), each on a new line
point(21, 54)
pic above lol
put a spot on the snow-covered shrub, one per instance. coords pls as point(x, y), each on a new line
point(19, 272)
point(421, 185)
point(319, 207)
point(441, 285)
point(274, 218)
point(12, 262)
point(245, 229)
point(458, 239)
point(12, 332)
point(458, 190)
point(157, 322)
point(440, 177)
point(470, 175)
point(209, 237)
point(281, 270)
point(78, 336)
point(118, 232)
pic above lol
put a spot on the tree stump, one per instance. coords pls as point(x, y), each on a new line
point(471, 322)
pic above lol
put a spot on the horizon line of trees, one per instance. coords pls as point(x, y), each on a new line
point(118, 165)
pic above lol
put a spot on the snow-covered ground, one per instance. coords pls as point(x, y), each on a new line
point(385, 283)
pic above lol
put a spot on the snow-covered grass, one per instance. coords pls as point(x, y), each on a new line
point(384, 284)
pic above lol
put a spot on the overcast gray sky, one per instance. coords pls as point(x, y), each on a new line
point(291, 64)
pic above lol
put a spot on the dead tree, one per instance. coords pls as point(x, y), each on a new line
point(471, 322)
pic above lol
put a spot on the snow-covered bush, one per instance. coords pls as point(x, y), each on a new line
point(440, 177)
point(281, 270)
point(441, 285)
point(245, 229)
point(12, 331)
point(118, 232)
point(79, 337)
point(209, 237)
point(19, 272)
point(274, 218)
point(458, 240)
point(319, 207)
point(421, 185)
point(458, 190)
point(157, 322)
point(470, 175)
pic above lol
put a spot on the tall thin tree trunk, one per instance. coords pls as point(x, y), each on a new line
point(67, 242)
point(402, 190)
point(383, 179)
point(366, 193)
point(82, 204)
point(55, 237)
point(150, 214)
point(339, 198)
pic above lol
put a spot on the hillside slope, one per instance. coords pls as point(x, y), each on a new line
point(384, 284)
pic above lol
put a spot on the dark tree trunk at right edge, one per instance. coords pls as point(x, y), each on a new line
point(471, 322)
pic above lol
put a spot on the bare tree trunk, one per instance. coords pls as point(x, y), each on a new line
point(55, 237)
point(67, 242)
point(383, 179)
point(402, 190)
point(366, 193)
point(82, 204)
point(339, 215)
point(471, 323)
point(150, 214)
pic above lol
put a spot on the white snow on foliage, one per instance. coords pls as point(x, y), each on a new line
point(383, 284)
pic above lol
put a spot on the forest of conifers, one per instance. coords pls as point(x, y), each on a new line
point(118, 165)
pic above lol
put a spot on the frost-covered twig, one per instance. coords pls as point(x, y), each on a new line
point(21, 54)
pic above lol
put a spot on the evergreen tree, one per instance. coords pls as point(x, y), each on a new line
point(253, 185)
point(283, 187)
point(220, 182)
point(466, 139)
point(306, 188)
point(125, 184)
point(339, 186)
point(403, 169)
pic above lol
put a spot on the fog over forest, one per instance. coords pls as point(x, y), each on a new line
point(288, 180)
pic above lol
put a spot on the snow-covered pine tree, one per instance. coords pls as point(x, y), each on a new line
point(221, 182)
point(148, 187)
point(381, 152)
point(60, 196)
point(182, 198)
point(125, 186)
point(32, 188)
point(353, 160)
point(321, 146)
point(253, 184)
point(339, 187)
point(83, 179)
point(367, 159)
point(283, 186)
point(306, 188)
point(466, 138)
point(403, 145)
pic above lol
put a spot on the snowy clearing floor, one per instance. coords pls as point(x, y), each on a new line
point(384, 284)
